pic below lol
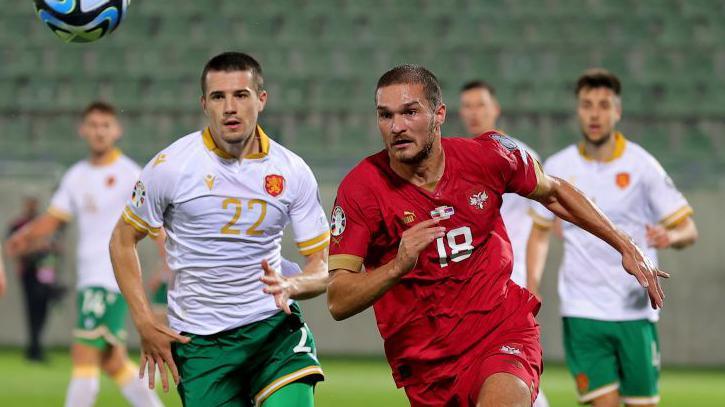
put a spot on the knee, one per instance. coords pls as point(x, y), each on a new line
point(504, 389)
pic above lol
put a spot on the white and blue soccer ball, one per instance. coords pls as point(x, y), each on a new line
point(81, 20)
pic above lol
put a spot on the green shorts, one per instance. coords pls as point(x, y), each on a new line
point(159, 297)
point(604, 356)
point(101, 318)
point(244, 366)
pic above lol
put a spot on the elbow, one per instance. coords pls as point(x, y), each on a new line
point(337, 313)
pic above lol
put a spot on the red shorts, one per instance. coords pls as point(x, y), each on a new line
point(515, 349)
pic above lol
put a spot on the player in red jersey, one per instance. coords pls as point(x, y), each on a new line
point(423, 219)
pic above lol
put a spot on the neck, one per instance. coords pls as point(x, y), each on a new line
point(249, 145)
point(424, 174)
point(104, 158)
point(600, 152)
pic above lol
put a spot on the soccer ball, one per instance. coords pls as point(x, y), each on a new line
point(81, 20)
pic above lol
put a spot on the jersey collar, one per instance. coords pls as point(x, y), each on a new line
point(620, 143)
point(211, 145)
point(112, 157)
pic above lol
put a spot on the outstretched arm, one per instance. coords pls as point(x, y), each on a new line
point(22, 241)
point(155, 336)
point(537, 250)
point(568, 203)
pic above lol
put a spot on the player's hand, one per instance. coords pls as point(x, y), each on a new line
point(413, 241)
point(658, 237)
point(278, 286)
point(17, 245)
point(156, 342)
point(644, 270)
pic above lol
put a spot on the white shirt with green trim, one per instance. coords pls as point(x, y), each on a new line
point(633, 190)
point(95, 195)
point(222, 217)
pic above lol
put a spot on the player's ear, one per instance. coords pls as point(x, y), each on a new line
point(202, 101)
point(262, 99)
point(440, 114)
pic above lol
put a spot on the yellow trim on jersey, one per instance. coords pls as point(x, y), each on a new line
point(620, 144)
point(86, 371)
point(539, 220)
point(59, 214)
point(314, 240)
point(539, 177)
point(138, 223)
point(263, 145)
point(112, 157)
point(345, 261)
point(283, 381)
point(676, 217)
point(211, 145)
point(311, 250)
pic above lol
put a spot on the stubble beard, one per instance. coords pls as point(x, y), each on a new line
point(424, 153)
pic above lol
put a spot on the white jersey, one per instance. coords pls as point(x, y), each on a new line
point(222, 217)
point(95, 195)
point(633, 190)
point(516, 214)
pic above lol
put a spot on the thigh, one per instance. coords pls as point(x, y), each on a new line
point(290, 355)
point(504, 389)
point(297, 394)
point(639, 354)
point(210, 374)
point(591, 356)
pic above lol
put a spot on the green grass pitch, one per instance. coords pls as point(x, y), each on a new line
point(350, 383)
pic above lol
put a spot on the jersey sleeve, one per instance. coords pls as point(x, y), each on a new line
point(668, 204)
point(61, 204)
point(521, 172)
point(151, 194)
point(309, 222)
point(351, 234)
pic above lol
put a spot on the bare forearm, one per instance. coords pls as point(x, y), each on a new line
point(537, 250)
point(572, 205)
point(683, 235)
point(349, 293)
point(127, 269)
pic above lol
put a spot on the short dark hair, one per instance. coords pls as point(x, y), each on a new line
point(478, 84)
point(414, 74)
point(598, 78)
point(234, 61)
point(98, 106)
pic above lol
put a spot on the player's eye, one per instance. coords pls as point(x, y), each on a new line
point(411, 112)
point(385, 115)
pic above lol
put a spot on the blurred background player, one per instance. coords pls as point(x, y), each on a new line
point(457, 330)
point(37, 272)
point(610, 337)
point(224, 196)
point(3, 279)
point(94, 191)
point(479, 111)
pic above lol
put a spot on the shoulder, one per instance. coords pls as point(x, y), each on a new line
point(637, 154)
point(174, 159)
point(76, 170)
point(127, 163)
point(371, 173)
point(562, 157)
point(283, 156)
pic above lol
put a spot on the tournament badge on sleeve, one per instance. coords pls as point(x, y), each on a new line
point(274, 184)
point(138, 196)
point(337, 224)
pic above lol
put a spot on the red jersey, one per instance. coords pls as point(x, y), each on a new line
point(444, 305)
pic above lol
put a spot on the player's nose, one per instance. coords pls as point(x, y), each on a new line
point(397, 125)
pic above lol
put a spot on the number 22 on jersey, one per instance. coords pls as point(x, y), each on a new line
point(460, 242)
point(236, 204)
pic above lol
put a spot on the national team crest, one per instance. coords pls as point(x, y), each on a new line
point(110, 181)
point(138, 196)
point(274, 184)
point(622, 180)
point(337, 222)
point(478, 200)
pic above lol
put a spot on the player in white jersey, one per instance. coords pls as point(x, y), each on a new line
point(479, 112)
point(609, 330)
point(94, 192)
point(224, 196)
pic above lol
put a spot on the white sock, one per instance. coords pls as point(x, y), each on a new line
point(136, 390)
point(541, 400)
point(83, 387)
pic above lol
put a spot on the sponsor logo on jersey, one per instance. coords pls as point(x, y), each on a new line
point(622, 179)
point(274, 184)
point(161, 158)
point(338, 221)
point(408, 217)
point(138, 196)
point(442, 212)
point(110, 181)
point(511, 350)
point(478, 200)
point(209, 180)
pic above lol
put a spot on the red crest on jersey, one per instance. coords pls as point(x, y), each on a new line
point(274, 184)
point(110, 181)
point(622, 180)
